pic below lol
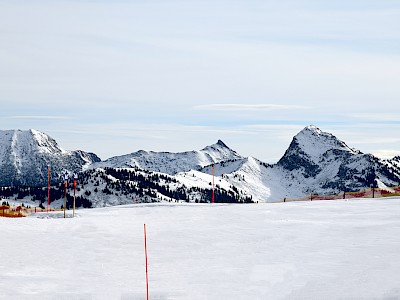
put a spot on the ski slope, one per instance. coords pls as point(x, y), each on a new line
point(344, 249)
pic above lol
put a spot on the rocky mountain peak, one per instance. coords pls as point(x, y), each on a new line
point(45, 143)
point(222, 144)
point(26, 154)
point(314, 143)
point(218, 145)
point(309, 148)
point(313, 130)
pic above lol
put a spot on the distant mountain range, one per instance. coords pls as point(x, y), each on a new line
point(315, 162)
point(171, 163)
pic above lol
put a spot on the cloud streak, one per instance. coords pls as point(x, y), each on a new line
point(386, 153)
point(41, 117)
point(247, 107)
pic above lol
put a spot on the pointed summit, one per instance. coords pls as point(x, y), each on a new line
point(222, 144)
point(220, 149)
point(313, 129)
point(218, 145)
point(314, 142)
point(310, 147)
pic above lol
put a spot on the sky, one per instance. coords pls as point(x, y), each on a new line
point(114, 77)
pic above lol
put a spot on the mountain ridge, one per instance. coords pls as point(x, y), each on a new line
point(169, 162)
point(315, 162)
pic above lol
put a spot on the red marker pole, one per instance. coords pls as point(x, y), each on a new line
point(147, 272)
point(66, 177)
point(65, 195)
point(212, 195)
point(48, 189)
point(74, 196)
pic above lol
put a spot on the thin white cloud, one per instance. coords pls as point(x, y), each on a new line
point(371, 140)
point(376, 116)
point(151, 131)
point(270, 127)
point(386, 154)
point(41, 117)
point(248, 107)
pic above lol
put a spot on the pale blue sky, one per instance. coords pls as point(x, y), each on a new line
point(113, 77)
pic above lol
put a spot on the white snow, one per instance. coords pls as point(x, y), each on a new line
point(304, 250)
point(202, 180)
point(266, 183)
point(171, 163)
point(315, 142)
point(383, 186)
point(46, 144)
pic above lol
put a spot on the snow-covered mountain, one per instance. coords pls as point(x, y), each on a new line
point(26, 155)
point(395, 161)
point(327, 164)
point(107, 187)
point(315, 162)
point(171, 163)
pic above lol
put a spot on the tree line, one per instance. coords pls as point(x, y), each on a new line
point(144, 185)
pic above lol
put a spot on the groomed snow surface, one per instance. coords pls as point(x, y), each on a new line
point(344, 249)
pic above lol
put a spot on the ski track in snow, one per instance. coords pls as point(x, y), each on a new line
point(344, 249)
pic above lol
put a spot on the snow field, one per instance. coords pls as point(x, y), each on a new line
point(343, 249)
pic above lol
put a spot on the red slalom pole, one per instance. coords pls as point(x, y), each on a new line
point(147, 271)
point(75, 178)
point(48, 189)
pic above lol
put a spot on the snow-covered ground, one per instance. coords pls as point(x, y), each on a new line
point(345, 249)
